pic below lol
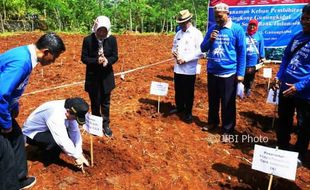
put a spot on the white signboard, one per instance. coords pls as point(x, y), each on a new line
point(93, 125)
point(273, 96)
point(267, 72)
point(275, 161)
point(159, 88)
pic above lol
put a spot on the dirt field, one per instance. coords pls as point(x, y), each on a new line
point(150, 150)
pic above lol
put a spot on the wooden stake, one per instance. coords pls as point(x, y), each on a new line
point(270, 182)
point(271, 177)
point(268, 83)
point(91, 151)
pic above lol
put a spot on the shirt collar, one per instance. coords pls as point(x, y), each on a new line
point(34, 59)
point(189, 29)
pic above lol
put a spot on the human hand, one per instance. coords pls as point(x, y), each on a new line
point(81, 161)
point(180, 61)
point(290, 91)
point(102, 60)
point(275, 84)
point(214, 35)
point(240, 78)
point(175, 54)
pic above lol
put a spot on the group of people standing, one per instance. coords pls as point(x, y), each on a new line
point(229, 51)
point(232, 57)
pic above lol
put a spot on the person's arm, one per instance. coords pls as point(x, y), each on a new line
point(86, 57)
point(75, 136)
point(285, 61)
point(241, 53)
point(57, 127)
point(114, 56)
point(207, 42)
point(9, 79)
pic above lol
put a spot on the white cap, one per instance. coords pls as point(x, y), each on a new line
point(221, 7)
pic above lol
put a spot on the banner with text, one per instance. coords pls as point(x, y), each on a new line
point(278, 20)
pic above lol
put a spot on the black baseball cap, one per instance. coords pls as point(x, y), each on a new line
point(79, 107)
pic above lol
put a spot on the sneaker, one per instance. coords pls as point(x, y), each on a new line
point(27, 182)
point(208, 127)
point(107, 131)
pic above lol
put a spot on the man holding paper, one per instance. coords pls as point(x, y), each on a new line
point(54, 127)
point(226, 47)
point(293, 79)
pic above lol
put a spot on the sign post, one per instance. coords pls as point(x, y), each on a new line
point(159, 89)
point(267, 73)
point(94, 127)
point(276, 162)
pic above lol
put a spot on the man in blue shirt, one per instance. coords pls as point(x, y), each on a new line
point(293, 79)
point(15, 68)
point(226, 50)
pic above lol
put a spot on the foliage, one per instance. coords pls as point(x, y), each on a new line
point(125, 15)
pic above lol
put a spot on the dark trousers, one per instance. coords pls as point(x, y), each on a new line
point(45, 141)
point(13, 161)
point(286, 111)
point(100, 104)
point(184, 86)
point(222, 91)
point(249, 80)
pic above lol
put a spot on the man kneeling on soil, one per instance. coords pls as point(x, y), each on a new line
point(53, 126)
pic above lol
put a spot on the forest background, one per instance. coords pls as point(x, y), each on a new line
point(78, 15)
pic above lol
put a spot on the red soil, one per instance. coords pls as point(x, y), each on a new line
point(150, 150)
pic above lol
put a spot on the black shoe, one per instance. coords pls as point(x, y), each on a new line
point(27, 182)
point(175, 111)
point(209, 127)
point(188, 118)
point(107, 131)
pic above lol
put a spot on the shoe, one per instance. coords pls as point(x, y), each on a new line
point(107, 131)
point(209, 127)
point(188, 118)
point(175, 111)
point(27, 182)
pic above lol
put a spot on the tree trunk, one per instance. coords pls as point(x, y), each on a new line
point(58, 18)
point(130, 17)
point(142, 25)
point(2, 25)
point(163, 25)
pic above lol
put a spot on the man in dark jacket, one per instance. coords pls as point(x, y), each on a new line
point(99, 53)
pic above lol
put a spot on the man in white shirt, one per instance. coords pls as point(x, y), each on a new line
point(186, 51)
point(54, 127)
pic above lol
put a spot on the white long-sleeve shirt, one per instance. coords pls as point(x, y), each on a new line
point(187, 45)
point(52, 116)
